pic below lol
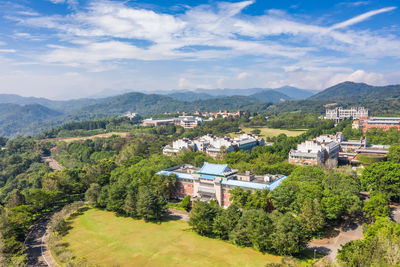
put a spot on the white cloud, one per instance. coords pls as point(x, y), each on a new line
point(276, 49)
point(243, 75)
point(359, 76)
point(7, 51)
point(361, 18)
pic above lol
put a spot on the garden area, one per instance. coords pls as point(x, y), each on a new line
point(104, 239)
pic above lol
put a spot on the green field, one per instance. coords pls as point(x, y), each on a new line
point(107, 240)
point(265, 131)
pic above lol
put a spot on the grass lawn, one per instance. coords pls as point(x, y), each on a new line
point(107, 240)
point(105, 135)
point(265, 131)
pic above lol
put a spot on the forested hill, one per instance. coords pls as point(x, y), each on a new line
point(380, 100)
point(16, 119)
point(358, 92)
point(65, 106)
point(271, 96)
point(156, 104)
point(295, 93)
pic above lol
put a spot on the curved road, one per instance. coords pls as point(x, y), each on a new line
point(35, 242)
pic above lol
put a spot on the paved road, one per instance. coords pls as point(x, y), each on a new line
point(36, 248)
point(341, 235)
point(53, 163)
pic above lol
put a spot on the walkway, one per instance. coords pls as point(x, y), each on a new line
point(53, 163)
point(339, 236)
point(178, 214)
point(35, 242)
point(395, 212)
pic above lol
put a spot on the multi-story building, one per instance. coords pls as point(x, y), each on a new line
point(339, 113)
point(213, 146)
point(214, 181)
point(381, 123)
point(318, 151)
point(186, 122)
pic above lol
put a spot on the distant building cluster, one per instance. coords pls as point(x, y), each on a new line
point(318, 151)
point(213, 182)
point(212, 145)
point(327, 150)
point(362, 119)
point(131, 115)
point(339, 113)
point(186, 122)
point(223, 114)
point(382, 123)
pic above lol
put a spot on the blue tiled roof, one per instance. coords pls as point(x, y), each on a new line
point(276, 183)
point(208, 177)
point(214, 169)
point(245, 184)
point(178, 174)
point(252, 185)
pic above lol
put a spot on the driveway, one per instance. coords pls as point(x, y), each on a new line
point(35, 242)
point(339, 236)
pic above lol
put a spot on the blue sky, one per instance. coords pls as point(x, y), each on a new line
point(64, 49)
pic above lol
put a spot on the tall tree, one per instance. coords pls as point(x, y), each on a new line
point(149, 205)
point(15, 199)
point(226, 221)
point(202, 217)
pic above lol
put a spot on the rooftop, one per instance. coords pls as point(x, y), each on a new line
point(215, 169)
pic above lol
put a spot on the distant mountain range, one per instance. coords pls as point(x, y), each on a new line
point(30, 115)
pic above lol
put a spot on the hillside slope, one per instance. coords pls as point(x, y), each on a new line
point(295, 93)
point(271, 96)
point(17, 119)
point(381, 100)
point(357, 92)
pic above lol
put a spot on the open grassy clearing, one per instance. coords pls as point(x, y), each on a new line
point(104, 135)
point(107, 240)
point(265, 131)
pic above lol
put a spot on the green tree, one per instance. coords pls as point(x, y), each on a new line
point(394, 153)
point(376, 206)
point(202, 217)
point(130, 204)
point(311, 217)
point(253, 229)
point(382, 176)
point(15, 199)
point(149, 205)
point(288, 237)
point(226, 221)
point(92, 194)
point(379, 247)
point(186, 202)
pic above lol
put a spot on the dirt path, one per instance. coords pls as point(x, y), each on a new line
point(35, 242)
point(53, 163)
point(178, 214)
point(395, 212)
point(339, 236)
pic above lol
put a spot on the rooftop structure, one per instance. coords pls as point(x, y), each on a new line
point(213, 181)
point(213, 146)
point(131, 115)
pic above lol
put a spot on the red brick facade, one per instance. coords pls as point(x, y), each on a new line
point(225, 198)
point(183, 189)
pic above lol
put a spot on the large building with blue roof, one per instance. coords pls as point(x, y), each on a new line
point(214, 181)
